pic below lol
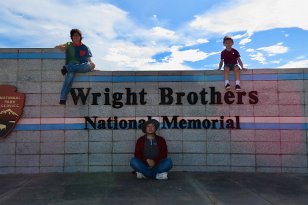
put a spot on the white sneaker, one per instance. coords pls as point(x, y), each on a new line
point(162, 176)
point(139, 175)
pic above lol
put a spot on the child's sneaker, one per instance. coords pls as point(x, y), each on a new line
point(139, 175)
point(63, 70)
point(237, 87)
point(228, 86)
point(162, 176)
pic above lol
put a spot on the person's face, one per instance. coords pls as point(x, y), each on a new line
point(228, 43)
point(150, 129)
point(76, 38)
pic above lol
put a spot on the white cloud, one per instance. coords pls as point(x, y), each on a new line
point(275, 49)
point(296, 64)
point(252, 16)
point(245, 41)
point(258, 56)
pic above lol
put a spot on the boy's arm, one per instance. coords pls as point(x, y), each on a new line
point(241, 64)
point(220, 64)
point(62, 47)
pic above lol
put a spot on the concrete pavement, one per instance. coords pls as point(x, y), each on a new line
point(181, 188)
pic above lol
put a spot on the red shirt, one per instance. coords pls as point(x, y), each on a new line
point(230, 57)
point(162, 147)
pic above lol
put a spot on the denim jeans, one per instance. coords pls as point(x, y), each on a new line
point(139, 166)
point(72, 68)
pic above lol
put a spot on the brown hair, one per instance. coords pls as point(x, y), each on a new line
point(75, 30)
point(227, 38)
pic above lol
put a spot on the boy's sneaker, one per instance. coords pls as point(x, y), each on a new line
point(162, 176)
point(139, 175)
point(237, 87)
point(228, 86)
point(63, 70)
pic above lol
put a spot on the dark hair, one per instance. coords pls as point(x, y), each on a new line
point(227, 38)
point(75, 30)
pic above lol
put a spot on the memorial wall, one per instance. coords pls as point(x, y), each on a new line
point(263, 128)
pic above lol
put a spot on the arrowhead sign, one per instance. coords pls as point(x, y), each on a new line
point(11, 108)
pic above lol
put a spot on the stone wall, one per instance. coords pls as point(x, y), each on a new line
point(270, 135)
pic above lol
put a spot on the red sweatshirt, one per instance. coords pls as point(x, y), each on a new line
point(162, 147)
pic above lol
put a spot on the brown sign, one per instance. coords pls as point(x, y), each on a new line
point(11, 107)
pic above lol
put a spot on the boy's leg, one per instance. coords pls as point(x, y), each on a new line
point(226, 77)
point(67, 84)
point(237, 78)
point(79, 68)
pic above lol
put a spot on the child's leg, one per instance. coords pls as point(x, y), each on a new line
point(226, 74)
point(237, 74)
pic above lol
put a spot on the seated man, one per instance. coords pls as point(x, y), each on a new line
point(151, 154)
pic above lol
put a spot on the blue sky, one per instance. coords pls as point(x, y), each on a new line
point(164, 34)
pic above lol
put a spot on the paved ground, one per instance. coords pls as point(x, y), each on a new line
point(181, 188)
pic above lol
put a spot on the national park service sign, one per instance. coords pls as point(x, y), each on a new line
point(11, 107)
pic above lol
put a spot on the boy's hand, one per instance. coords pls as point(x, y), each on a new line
point(244, 68)
point(219, 68)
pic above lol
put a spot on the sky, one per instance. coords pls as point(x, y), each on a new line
point(164, 34)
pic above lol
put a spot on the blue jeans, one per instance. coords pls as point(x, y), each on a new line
point(140, 166)
point(72, 68)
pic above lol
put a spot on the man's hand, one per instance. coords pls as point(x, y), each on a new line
point(151, 162)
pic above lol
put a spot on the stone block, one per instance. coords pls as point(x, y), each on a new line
point(267, 135)
point(33, 99)
point(124, 135)
point(72, 160)
point(126, 146)
point(29, 87)
point(100, 159)
point(218, 135)
point(194, 159)
point(291, 98)
point(27, 148)
point(243, 160)
point(7, 148)
point(52, 148)
point(194, 147)
point(293, 136)
point(28, 136)
point(52, 136)
point(121, 159)
point(269, 169)
point(49, 99)
point(72, 169)
point(194, 135)
point(194, 110)
point(177, 158)
point(218, 159)
point(7, 160)
point(243, 147)
point(52, 160)
point(30, 64)
point(54, 65)
point(100, 147)
point(29, 76)
point(290, 86)
point(126, 111)
point(265, 86)
point(100, 135)
point(294, 170)
point(293, 148)
point(76, 136)
point(100, 168)
point(152, 99)
point(268, 148)
point(242, 135)
point(266, 111)
point(76, 111)
point(52, 87)
point(31, 112)
point(8, 70)
point(218, 147)
point(27, 170)
point(171, 135)
point(243, 169)
point(299, 161)
point(27, 160)
point(121, 168)
point(142, 111)
point(175, 146)
point(101, 111)
point(268, 160)
point(76, 147)
point(171, 110)
point(51, 169)
point(241, 110)
point(222, 110)
point(291, 110)
point(7, 170)
point(52, 76)
point(268, 98)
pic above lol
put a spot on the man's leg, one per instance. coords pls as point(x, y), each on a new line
point(163, 166)
point(140, 166)
point(79, 68)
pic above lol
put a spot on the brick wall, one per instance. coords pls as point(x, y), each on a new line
point(51, 137)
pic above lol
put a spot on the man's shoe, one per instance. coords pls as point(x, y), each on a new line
point(162, 176)
point(139, 175)
point(62, 102)
point(237, 87)
point(63, 70)
point(228, 86)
